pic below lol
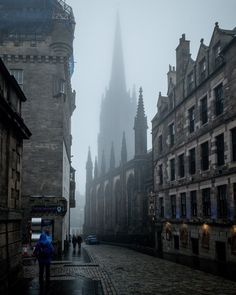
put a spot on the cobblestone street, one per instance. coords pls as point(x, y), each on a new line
point(126, 272)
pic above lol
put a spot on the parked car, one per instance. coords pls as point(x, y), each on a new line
point(91, 240)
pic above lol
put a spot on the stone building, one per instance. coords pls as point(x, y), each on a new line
point(36, 44)
point(117, 110)
point(194, 151)
point(116, 200)
point(12, 132)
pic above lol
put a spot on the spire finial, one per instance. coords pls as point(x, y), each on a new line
point(141, 91)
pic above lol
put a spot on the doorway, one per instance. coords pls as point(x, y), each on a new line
point(195, 246)
point(220, 251)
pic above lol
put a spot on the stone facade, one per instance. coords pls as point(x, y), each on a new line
point(116, 201)
point(37, 47)
point(194, 152)
point(12, 132)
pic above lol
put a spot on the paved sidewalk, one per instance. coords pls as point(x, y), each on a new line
point(122, 271)
point(133, 273)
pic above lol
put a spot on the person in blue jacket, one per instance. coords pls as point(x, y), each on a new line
point(44, 252)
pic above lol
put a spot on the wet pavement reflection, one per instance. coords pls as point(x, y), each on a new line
point(58, 285)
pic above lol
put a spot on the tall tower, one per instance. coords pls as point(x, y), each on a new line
point(140, 127)
point(117, 109)
point(37, 47)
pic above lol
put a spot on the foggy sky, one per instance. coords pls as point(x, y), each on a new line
point(150, 34)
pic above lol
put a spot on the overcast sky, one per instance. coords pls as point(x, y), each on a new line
point(150, 31)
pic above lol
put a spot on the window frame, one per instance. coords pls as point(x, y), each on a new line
point(219, 99)
point(183, 205)
point(191, 119)
point(204, 110)
point(220, 149)
point(205, 156)
point(206, 202)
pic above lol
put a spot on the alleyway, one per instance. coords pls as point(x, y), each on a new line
point(125, 272)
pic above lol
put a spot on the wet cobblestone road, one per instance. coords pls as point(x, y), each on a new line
point(126, 272)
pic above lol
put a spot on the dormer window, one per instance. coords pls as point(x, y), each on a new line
point(18, 75)
point(190, 82)
point(217, 51)
point(202, 69)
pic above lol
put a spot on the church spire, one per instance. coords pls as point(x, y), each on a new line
point(118, 71)
point(140, 127)
point(89, 167)
point(96, 168)
point(123, 150)
point(103, 164)
point(112, 157)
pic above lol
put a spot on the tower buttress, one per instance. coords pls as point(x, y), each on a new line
point(112, 157)
point(123, 150)
point(103, 164)
point(89, 168)
point(96, 168)
point(140, 127)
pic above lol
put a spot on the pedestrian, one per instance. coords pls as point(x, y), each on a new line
point(74, 241)
point(49, 237)
point(79, 241)
point(44, 251)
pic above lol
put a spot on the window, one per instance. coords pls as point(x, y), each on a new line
point(233, 139)
point(217, 50)
point(161, 203)
point(219, 100)
point(206, 202)
point(62, 86)
point(192, 161)
point(183, 204)
point(202, 69)
point(160, 174)
point(222, 201)
point(220, 149)
point(191, 118)
point(172, 134)
point(193, 197)
point(204, 156)
point(173, 206)
point(160, 143)
point(172, 169)
point(190, 82)
point(181, 166)
point(18, 75)
point(204, 111)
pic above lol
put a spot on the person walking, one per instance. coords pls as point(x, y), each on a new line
point(44, 251)
point(79, 241)
point(74, 241)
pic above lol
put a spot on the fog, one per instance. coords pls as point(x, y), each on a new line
point(150, 34)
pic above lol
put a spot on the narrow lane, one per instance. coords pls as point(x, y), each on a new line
point(135, 273)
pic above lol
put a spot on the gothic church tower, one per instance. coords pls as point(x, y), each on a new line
point(117, 109)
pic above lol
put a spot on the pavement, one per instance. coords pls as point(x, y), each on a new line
point(104, 269)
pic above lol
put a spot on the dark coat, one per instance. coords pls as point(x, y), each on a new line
point(44, 250)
